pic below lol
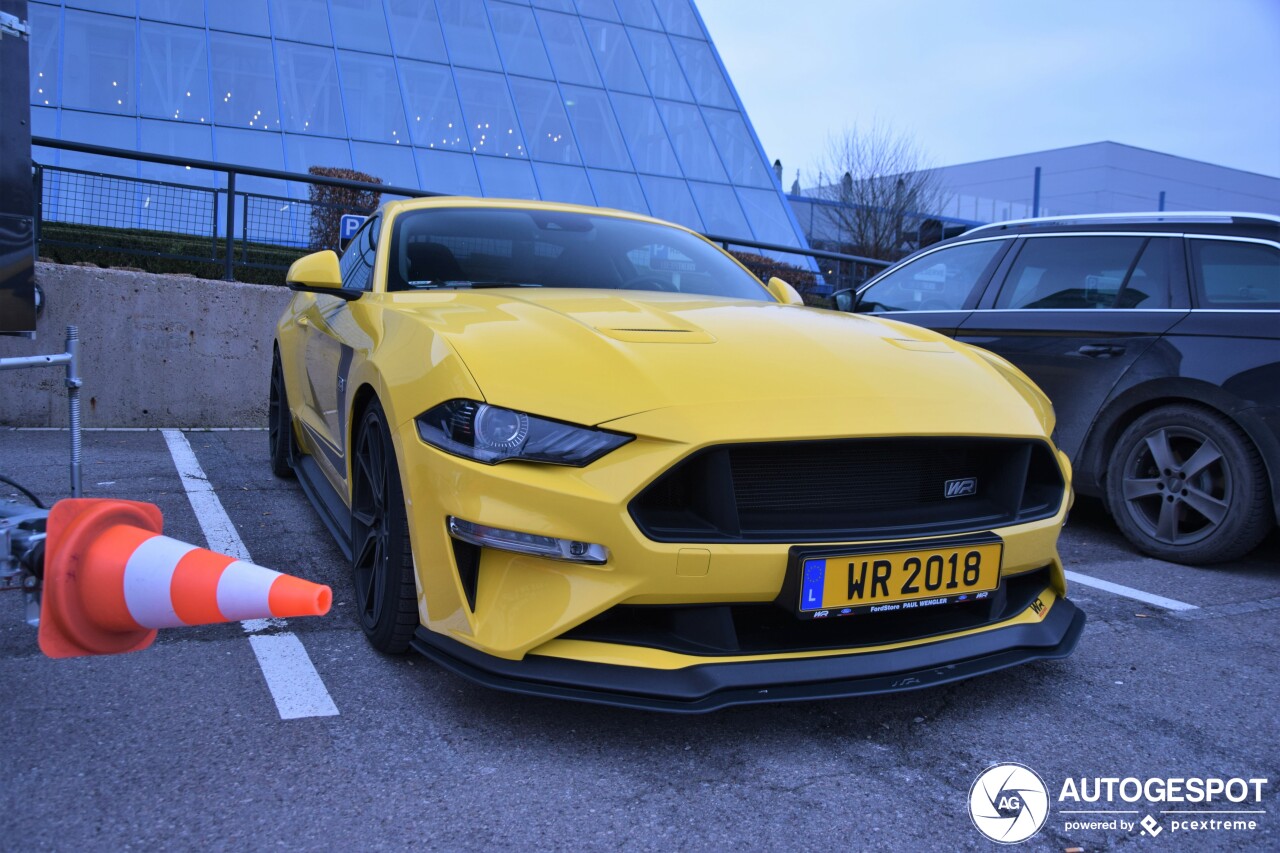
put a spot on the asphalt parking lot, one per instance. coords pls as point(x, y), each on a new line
point(188, 745)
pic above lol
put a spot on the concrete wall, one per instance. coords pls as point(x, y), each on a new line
point(156, 350)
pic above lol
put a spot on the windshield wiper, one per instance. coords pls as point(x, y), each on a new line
point(474, 285)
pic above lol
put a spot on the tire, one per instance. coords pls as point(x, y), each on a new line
point(280, 424)
point(381, 558)
point(1216, 508)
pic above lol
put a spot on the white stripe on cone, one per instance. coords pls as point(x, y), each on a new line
point(244, 588)
point(243, 591)
point(148, 576)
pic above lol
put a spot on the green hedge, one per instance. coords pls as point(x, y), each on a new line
point(145, 250)
point(328, 204)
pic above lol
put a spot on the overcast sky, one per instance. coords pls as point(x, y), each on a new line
point(989, 78)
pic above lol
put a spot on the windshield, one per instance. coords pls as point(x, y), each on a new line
point(494, 247)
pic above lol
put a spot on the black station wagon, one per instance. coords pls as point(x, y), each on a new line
point(1157, 336)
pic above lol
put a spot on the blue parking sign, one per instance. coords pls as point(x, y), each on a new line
point(349, 225)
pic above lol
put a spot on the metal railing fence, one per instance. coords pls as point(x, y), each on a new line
point(81, 209)
point(218, 224)
point(235, 228)
point(836, 270)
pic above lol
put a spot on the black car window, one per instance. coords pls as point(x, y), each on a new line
point(1088, 273)
point(938, 281)
point(357, 261)
point(1231, 274)
point(1148, 283)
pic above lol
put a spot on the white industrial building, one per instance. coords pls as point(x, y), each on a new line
point(1101, 177)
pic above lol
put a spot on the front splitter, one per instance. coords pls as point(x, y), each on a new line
point(710, 686)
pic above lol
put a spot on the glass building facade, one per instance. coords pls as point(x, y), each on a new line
point(618, 103)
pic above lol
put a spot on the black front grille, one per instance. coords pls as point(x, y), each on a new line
point(818, 491)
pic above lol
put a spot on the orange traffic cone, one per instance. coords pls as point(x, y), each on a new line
point(111, 579)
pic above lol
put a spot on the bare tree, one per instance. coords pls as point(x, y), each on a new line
point(884, 191)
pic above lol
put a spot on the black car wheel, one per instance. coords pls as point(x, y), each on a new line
point(1186, 485)
point(382, 560)
point(280, 424)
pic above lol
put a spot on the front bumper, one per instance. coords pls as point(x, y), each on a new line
point(709, 684)
point(518, 603)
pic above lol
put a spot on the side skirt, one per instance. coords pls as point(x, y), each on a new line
point(328, 503)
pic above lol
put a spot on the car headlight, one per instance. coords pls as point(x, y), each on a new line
point(493, 434)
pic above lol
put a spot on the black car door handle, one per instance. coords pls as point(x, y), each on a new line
point(1100, 350)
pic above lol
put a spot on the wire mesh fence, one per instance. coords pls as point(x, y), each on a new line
point(276, 230)
point(101, 212)
point(219, 231)
point(127, 215)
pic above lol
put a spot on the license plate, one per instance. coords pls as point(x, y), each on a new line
point(835, 584)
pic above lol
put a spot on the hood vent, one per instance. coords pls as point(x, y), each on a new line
point(659, 336)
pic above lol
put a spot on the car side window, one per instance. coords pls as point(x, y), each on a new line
point(939, 281)
point(1231, 274)
point(1088, 273)
point(357, 261)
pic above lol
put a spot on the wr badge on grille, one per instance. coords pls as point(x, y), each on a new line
point(960, 488)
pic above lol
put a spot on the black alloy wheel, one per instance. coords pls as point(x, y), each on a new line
point(381, 557)
point(280, 424)
point(1186, 485)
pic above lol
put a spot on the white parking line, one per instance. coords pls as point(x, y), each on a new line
point(1130, 592)
point(291, 677)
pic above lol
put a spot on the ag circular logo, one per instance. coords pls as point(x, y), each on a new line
point(1008, 803)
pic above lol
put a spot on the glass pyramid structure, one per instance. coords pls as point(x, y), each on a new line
point(618, 103)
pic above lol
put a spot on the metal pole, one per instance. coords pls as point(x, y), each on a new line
point(73, 404)
point(38, 189)
point(244, 228)
point(71, 358)
point(1035, 195)
point(213, 229)
point(228, 271)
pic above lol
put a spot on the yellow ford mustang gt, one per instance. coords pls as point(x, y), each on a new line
point(584, 453)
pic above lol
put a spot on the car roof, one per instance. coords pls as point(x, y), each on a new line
point(1262, 225)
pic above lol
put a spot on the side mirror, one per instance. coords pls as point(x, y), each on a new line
point(783, 292)
point(846, 300)
point(319, 273)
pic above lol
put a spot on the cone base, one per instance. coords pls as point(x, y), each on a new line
point(66, 628)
